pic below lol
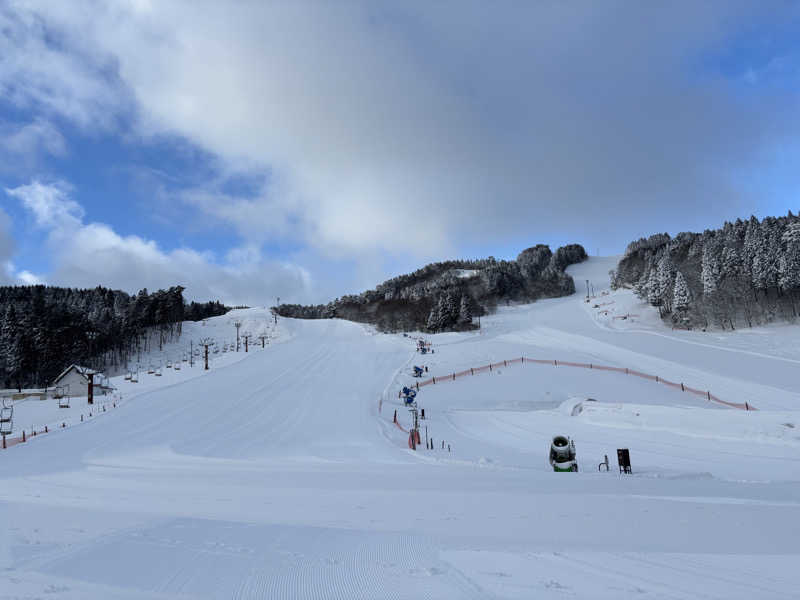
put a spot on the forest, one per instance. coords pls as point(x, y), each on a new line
point(746, 273)
point(44, 329)
point(447, 296)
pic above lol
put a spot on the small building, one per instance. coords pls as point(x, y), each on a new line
point(75, 382)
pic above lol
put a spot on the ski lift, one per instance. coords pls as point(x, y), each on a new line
point(6, 417)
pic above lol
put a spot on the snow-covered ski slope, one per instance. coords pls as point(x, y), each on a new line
point(280, 474)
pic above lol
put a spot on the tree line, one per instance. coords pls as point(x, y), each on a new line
point(745, 273)
point(44, 329)
point(446, 296)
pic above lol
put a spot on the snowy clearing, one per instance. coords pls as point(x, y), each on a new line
point(280, 474)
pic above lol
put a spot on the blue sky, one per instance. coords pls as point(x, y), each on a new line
point(310, 150)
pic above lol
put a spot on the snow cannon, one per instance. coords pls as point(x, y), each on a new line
point(562, 455)
point(418, 371)
point(409, 395)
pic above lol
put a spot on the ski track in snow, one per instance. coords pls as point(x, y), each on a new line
point(279, 474)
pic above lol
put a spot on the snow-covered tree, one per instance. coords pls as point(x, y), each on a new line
point(709, 274)
point(464, 312)
point(435, 316)
point(681, 296)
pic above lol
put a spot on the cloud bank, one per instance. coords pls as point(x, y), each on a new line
point(86, 253)
point(422, 129)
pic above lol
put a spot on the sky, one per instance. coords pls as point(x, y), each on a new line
point(306, 150)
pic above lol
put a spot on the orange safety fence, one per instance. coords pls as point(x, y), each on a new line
point(563, 363)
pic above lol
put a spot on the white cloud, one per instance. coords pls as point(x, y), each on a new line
point(86, 255)
point(395, 129)
point(22, 144)
point(6, 250)
point(28, 278)
point(50, 204)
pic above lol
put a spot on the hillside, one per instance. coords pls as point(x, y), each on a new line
point(43, 329)
point(445, 296)
point(744, 274)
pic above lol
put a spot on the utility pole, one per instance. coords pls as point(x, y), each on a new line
point(91, 336)
point(90, 388)
point(206, 342)
point(237, 324)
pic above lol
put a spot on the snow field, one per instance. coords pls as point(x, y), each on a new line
point(282, 475)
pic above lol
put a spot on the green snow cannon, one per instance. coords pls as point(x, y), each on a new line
point(562, 455)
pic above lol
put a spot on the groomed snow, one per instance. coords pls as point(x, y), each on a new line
point(280, 474)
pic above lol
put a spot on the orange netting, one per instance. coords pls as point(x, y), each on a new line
point(563, 363)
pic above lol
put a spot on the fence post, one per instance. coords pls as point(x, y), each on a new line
point(746, 405)
point(555, 363)
point(23, 435)
point(418, 386)
point(683, 389)
point(434, 380)
point(505, 364)
point(490, 367)
point(708, 394)
point(471, 370)
point(454, 376)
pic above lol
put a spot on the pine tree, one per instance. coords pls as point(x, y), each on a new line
point(654, 289)
point(665, 276)
point(435, 316)
point(681, 297)
point(450, 311)
point(709, 270)
point(464, 312)
point(12, 346)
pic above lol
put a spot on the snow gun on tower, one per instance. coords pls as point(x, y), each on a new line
point(409, 395)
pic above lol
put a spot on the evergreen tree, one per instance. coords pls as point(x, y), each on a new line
point(12, 347)
point(434, 317)
point(681, 297)
point(464, 312)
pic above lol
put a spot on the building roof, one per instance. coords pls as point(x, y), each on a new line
point(83, 371)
